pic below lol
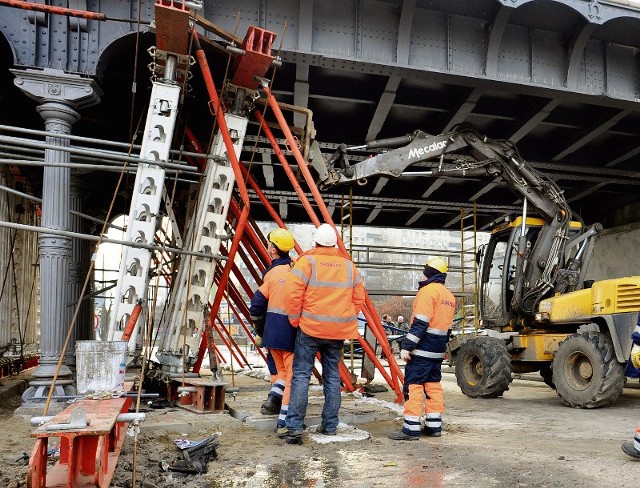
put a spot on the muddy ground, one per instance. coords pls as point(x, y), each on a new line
point(525, 439)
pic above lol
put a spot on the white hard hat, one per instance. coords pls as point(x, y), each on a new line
point(400, 318)
point(325, 235)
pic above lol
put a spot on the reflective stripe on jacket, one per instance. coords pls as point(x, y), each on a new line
point(270, 299)
point(324, 294)
point(431, 321)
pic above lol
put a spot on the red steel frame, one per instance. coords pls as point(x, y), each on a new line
point(88, 455)
point(369, 311)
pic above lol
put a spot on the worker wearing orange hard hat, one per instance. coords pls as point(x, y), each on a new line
point(423, 350)
point(271, 322)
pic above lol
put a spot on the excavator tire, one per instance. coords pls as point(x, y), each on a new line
point(586, 372)
point(483, 367)
point(547, 375)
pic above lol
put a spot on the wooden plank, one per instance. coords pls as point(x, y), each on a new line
point(101, 414)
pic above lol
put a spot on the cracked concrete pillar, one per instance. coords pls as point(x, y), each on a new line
point(60, 95)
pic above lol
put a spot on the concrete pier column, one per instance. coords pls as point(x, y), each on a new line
point(60, 95)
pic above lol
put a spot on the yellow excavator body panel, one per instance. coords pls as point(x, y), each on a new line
point(530, 222)
point(605, 297)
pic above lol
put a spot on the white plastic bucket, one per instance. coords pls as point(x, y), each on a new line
point(100, 365)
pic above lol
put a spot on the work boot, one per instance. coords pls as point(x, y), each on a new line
point(290, 437)
point(321, 430)
point(401, 436)
point(293, 438)
point(630, 449)
point(282, 432)
point(431, 432)
point(271, 406)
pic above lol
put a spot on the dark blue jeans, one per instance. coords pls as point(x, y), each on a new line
point(303, 359)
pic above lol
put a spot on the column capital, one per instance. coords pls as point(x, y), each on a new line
point(58, 116)
point(53, 85)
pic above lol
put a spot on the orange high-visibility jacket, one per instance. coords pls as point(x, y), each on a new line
point(324, 294)
point(431, 321)
point(270, 298)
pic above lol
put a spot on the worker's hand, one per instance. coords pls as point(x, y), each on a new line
point(258, 324)
point(635, 356)
point(405, 355)
point(258, 341)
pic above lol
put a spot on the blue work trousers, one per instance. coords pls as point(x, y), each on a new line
point(303, 360)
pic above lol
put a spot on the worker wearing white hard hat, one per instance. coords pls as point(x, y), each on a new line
point(325, 235)
point(324, 295)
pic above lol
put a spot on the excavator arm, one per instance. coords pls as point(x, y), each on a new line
point(464, 152)
point(477, 156)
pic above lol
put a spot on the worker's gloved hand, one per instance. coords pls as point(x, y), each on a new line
point(635, 356)
point(405, 355)
point(258, 324)
point(258, 341)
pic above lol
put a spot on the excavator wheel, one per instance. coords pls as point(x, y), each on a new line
point(586, 372)
point(483, 367)
point(547, 375)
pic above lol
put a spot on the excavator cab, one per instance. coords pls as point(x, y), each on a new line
point(498, 265)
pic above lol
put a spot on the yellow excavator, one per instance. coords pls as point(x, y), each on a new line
point(537, 310)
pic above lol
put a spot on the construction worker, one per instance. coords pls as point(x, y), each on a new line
point(324, 295)
point(423, 350)
point(632, 448)
point(278, 336)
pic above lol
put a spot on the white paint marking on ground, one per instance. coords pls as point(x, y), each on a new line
point(345, 433)
point(394, 407)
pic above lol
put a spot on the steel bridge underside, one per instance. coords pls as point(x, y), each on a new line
point(561, 79)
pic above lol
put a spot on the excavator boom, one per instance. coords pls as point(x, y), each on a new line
point(464, 152)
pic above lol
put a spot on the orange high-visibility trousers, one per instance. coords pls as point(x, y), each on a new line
point(284, 365)
point(427, 398)
point(434, 402)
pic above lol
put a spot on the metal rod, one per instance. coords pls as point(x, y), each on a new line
point(108, 169)
point(89, 237)
point(305, 202)
point(94, 152)
point(369, 311)
point(242, 187)
point(94, 140)
point(73, 212)
point(69, 12)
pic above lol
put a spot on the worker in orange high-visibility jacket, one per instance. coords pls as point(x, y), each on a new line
point(423, 350)
point(324, 295)
point(278, 336)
